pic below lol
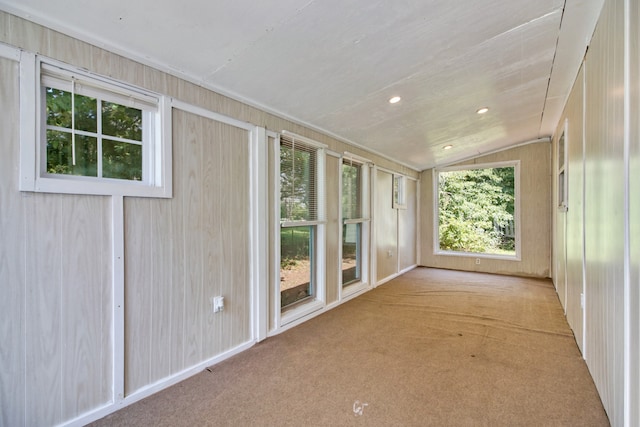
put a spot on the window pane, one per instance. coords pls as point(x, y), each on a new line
point(121, 160)
point(476, 210)
point(351, 208)
point(60, 157)
point(121, 121)
point(351, 253)
point(297, 182)
point(86, 115)
point(296, 264)
point(58, 108)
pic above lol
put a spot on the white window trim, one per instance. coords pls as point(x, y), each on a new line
point(364, 283)
point(296, 313)
point(516, 217)
point(401, 201)
point(563, 202)
point(157, 168)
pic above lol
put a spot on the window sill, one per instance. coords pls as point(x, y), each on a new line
point(296, 313)
point(478, 255)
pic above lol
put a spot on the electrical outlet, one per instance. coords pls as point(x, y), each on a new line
point(217, 304)
point(477, 260)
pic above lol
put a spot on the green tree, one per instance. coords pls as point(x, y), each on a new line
point(120, 159)
point(474, 204)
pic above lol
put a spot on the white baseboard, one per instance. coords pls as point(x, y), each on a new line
point(393, 276)
point(155, 387)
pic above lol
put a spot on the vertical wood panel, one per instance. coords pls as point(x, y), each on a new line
point(12, 256)
point(192, 219)
point(163, 263)
point(235, 220)
point(85, 242)
point(214, 201)
point(560, 243)
point(575, 223)
point(407, 229)
point(604, 219)
point(138, 293)
point(43, 329)
point(231, 233)
point(386, 223)
point(333, 227)
point(55, 261)
point(183, 251)
point(634, 215)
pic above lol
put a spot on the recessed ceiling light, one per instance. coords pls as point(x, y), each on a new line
point(482, 110)
point(394, 100)
point(447, 147)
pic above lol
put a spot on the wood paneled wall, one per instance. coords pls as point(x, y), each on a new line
point(12, 258)
point(181, 252)
point(604, 213)
point(535, 216)
point(407, 227)
point(56, 313)
point(574, 144)
point(633, 297)
point(56, 305)
point(604, 207)
point(395, 229)
point(386, 227)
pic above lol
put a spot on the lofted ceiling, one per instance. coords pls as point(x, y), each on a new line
point(334, 64)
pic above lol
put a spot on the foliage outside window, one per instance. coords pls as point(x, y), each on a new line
point(476, 210)
point(299, 219)
point(352, 222)
point(86, 134)
point(399, 201)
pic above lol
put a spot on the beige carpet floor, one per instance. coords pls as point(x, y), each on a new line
point(430, 348)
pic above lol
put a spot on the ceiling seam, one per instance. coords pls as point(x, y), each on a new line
point(553, 61)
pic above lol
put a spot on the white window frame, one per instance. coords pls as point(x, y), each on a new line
point(399, 198)
point(365, 221)
point(562, 174)
point(292, 315)
point(516, 217)
point(157, 178)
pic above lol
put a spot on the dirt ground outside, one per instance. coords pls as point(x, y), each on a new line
point(300, 273)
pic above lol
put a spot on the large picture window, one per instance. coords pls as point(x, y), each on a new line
point(477, 210)
point(301, 219)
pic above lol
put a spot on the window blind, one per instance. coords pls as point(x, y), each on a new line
point(300, 198)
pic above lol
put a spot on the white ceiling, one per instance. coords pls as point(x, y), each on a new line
point(333, 64)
